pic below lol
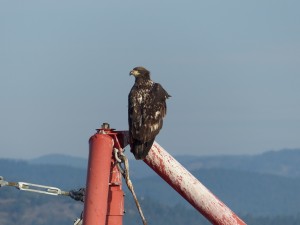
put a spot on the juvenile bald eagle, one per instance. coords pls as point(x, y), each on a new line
point(146, 110)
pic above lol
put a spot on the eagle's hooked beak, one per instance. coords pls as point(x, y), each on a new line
point(134, 73)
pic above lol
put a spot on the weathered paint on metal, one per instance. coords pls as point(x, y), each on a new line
point(190, 188)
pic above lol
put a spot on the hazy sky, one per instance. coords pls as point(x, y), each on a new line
point(232, 68)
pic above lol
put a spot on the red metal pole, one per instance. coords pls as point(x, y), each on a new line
point(104, 200)
point(98, 175)
point(190, 188)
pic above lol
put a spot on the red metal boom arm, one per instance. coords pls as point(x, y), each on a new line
point(104, 196)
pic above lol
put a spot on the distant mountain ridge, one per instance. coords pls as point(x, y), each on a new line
point(284, 162)
point(60, 159)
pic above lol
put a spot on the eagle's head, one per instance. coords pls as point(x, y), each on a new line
point(139, 72)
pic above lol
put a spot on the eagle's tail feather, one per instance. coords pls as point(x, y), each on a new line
point(140, 150)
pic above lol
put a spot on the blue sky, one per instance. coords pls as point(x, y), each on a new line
point(232, 68)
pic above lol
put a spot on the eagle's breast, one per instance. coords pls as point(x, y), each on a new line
point(143, 91)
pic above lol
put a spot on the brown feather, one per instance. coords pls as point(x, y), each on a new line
point(146, 110)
